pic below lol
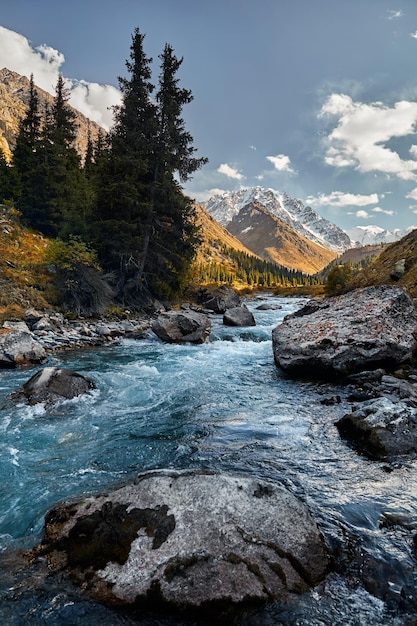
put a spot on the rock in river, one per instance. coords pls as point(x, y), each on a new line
point(363, 329)
point(381, 428)
point(188, 541)
point(182, 326)
point(51, 384)
point(238, 316)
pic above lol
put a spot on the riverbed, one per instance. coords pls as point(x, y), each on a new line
point(222, 406)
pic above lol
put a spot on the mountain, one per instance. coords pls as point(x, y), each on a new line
point(303, 219)
point(273, 240)
point(371, 234)
point(380, 272)
point(14, 98)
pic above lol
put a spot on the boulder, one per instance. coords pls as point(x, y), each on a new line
point(220, 299)
point(363, 329)
point(188, 541)
point(51, 384)
point(182, 326)
point(18, 347)
point(381, 428)
point(239, 316)
point(268, 307)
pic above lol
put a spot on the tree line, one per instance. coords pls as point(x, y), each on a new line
point(124, 198)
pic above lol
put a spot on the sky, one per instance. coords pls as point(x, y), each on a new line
point(315, 98)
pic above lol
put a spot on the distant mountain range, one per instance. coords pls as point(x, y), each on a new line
point(302, 219)
point(371, 235)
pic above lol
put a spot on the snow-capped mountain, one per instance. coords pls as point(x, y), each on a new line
point(305, 220)
point(371, 234)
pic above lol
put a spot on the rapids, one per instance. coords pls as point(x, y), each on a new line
point(223, 406)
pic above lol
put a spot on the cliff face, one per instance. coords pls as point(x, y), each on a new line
point(14, 98)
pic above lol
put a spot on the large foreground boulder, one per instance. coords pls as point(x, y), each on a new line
point(182, 326)
point(381, 428)
point(51, 384)
point(18, 347)
point(188, 541)
point(239, 316)
point(363, 329)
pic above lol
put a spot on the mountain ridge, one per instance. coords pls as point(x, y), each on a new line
point(303, 219)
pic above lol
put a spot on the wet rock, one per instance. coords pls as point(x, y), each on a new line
point(239, 316)
point(268, 307)
point(220, 299)
point(381, 428)
point(363, 329)
point(182, 326)
point(19, 347)
point(188, 541)
point(51, 384)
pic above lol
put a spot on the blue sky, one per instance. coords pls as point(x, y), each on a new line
point(317, 98)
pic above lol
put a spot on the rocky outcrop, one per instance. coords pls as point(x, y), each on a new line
point(182, 326)
point(18, 347)
point(188, 541)
point(239, 316)
point(51, 384)
point(363, 329)
point(381, 427)
point(220, 299)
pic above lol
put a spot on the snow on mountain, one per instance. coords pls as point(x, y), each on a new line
point(293, 212)
point(371, 234)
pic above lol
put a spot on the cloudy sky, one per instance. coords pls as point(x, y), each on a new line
point(317, 98)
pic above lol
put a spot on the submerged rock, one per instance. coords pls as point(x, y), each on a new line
point(188, 541)
point(182, 326)
point(363, 329)
point(381, 427)
point(51, 384)
point(18, 347)
point(239, 316)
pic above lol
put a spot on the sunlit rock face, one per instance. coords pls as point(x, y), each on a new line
point(188, 541)
point(362, 329)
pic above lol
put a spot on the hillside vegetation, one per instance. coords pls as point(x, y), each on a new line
point(382, 269)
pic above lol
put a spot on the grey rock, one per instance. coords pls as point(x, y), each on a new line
point(182, 326)
point(220, 299)
point(188, 541)
point(363, 329)
point(268, 307)
point(239, 316)
point(381, 427)
point(19, 347)
point(51, 384)
point(398, 270)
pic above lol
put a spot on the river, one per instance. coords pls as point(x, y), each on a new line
point(223, 406)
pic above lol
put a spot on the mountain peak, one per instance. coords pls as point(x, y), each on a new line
point(305, 220)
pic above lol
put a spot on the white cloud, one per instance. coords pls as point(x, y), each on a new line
point(361, 131)
point(203, 196)
point(230, 172)
point(281, 162)
point(363, 215)
point(393, 15)
point(378, 209)
point(341, 199)
point(414, 35)
point(413, 194)
point(45, 63)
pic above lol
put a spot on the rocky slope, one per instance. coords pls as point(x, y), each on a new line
point(273, 240)
point(293, 212)
point(383, 269)
point(14, 97)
